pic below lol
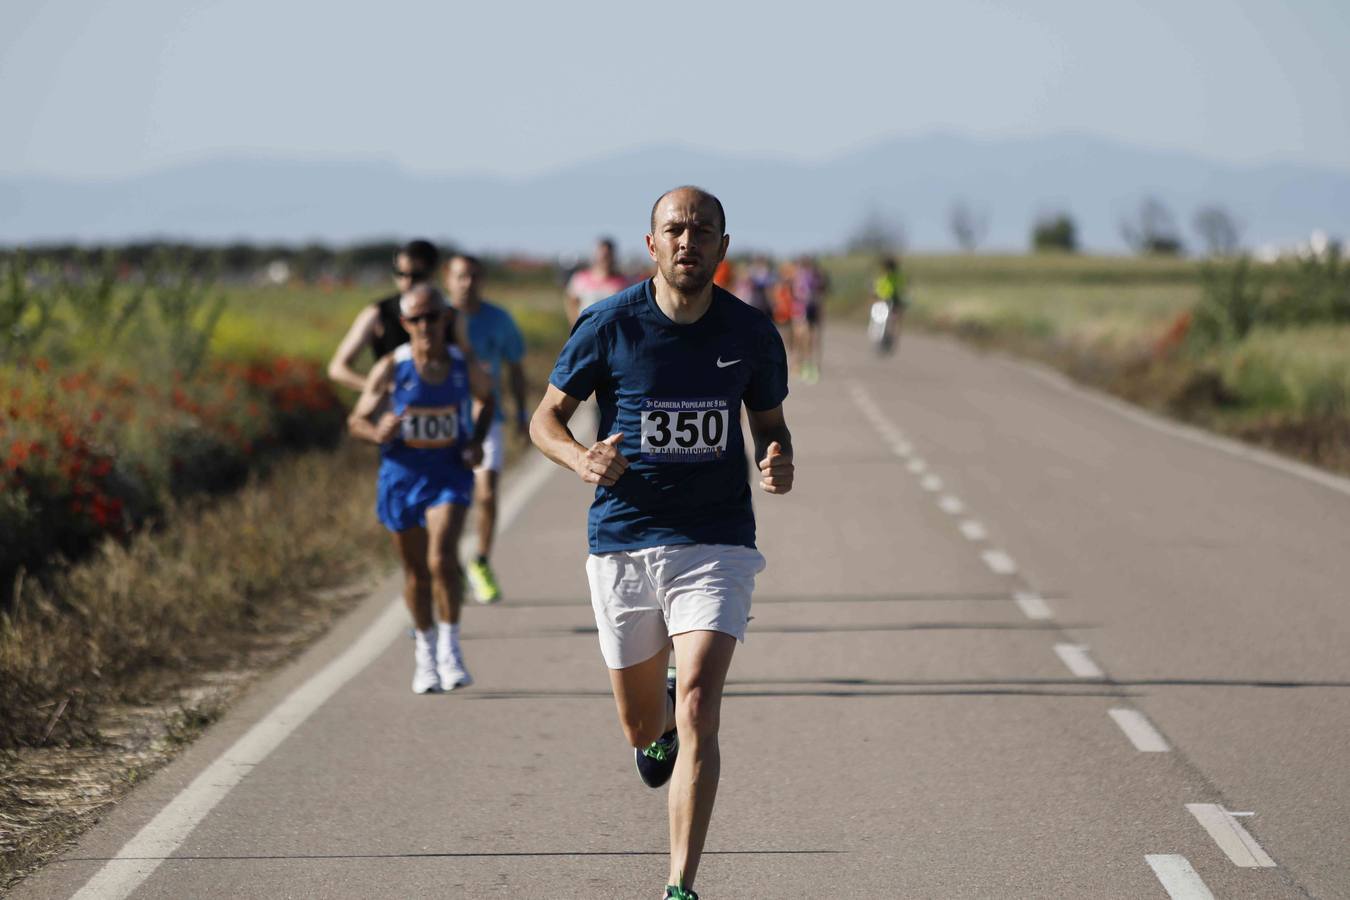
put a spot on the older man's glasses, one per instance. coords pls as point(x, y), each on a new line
point(430, 318)
point(410, 274)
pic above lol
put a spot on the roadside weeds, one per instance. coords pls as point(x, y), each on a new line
point(111, 669)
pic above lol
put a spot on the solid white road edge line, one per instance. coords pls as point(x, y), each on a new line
point(1075, 656)
point(162, 835)
point(1231, 837)
point(999, 562)
point(1231, 447)
point(1033, 606)
point(1178, 878)
point(1139, 730)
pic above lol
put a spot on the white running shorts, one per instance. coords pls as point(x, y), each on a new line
point(494, 450)
point(642, 597)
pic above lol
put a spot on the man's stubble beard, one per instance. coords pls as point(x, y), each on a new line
point(692, 283)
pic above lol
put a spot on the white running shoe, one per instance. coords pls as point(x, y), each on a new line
point(452, 671)
point(425, 678)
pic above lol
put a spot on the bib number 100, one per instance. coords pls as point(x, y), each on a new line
point(684, 435)
point(434, 427)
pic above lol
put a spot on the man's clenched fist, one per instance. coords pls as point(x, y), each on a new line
point(602, 464)
point(776, 470)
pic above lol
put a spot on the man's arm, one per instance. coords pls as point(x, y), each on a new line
point(516, 374)
point(773, 449)
point(484, 407)
point(340, 366)
point(370, 420)
point(601, 463)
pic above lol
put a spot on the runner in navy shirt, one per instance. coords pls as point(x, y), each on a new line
point(671, 362)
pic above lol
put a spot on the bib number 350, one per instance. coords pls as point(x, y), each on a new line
point(684, 430)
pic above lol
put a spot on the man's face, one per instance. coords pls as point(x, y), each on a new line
point(424, 320)
point(407, 273)
point(461, 280)
point(687, 241)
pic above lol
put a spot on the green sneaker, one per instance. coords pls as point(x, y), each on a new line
point(675, 892)
point(483, 582)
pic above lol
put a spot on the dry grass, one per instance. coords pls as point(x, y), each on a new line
point(110, 669)
point(113, 668)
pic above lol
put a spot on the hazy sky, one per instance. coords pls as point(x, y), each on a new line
point(105, 89)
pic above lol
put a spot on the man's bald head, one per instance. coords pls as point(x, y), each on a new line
point(700, 196)
point(421, 297)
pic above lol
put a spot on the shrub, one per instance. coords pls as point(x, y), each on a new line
point(92, 453)
point(1237, 297)
point(1054, 232)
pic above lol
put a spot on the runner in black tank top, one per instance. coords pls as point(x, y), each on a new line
point(377, 326)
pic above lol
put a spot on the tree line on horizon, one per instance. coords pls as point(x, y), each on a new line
point(1150, 230)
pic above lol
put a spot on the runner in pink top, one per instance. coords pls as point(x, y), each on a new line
point(594, 284)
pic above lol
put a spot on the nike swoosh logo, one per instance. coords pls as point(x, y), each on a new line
point(723, 365)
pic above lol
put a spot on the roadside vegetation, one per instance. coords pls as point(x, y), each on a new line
point(1256, 351)
point(179, 511)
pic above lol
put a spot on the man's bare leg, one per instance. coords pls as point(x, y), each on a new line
point(645, 710)
point(445, 523)
point(485, 501)
point(412, 550)
point(702, 659)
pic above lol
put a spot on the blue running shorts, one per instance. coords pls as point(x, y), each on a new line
point(404, 495)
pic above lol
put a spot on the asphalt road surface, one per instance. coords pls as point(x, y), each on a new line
point(1014, 640)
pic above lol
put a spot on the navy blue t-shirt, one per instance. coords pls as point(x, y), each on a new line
point(675, 391)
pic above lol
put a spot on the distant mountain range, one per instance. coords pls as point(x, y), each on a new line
point(771, 204)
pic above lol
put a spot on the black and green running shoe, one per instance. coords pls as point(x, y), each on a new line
point(657, 761)
point(675, 892)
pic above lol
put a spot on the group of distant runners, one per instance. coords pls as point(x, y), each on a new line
point(672, 362)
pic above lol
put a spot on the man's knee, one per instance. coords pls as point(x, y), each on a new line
point(443, 567)
point(699, 713)
point(416, 576)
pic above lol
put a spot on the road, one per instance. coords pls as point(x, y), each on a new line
point(1011, 642)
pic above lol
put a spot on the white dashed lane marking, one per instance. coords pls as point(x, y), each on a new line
point(952, 506)
point(1075, 656)
point(1140, 731)
point(1033, 606)
point(999, 562)
point(1231, 837)
point(931, 483)
point(1177, 877)
point(973, 530)
point(917, 465)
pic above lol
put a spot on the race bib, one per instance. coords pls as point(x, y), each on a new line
point(685, 430)
point(430, 426)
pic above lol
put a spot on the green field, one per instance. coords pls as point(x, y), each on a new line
point(309, 321)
